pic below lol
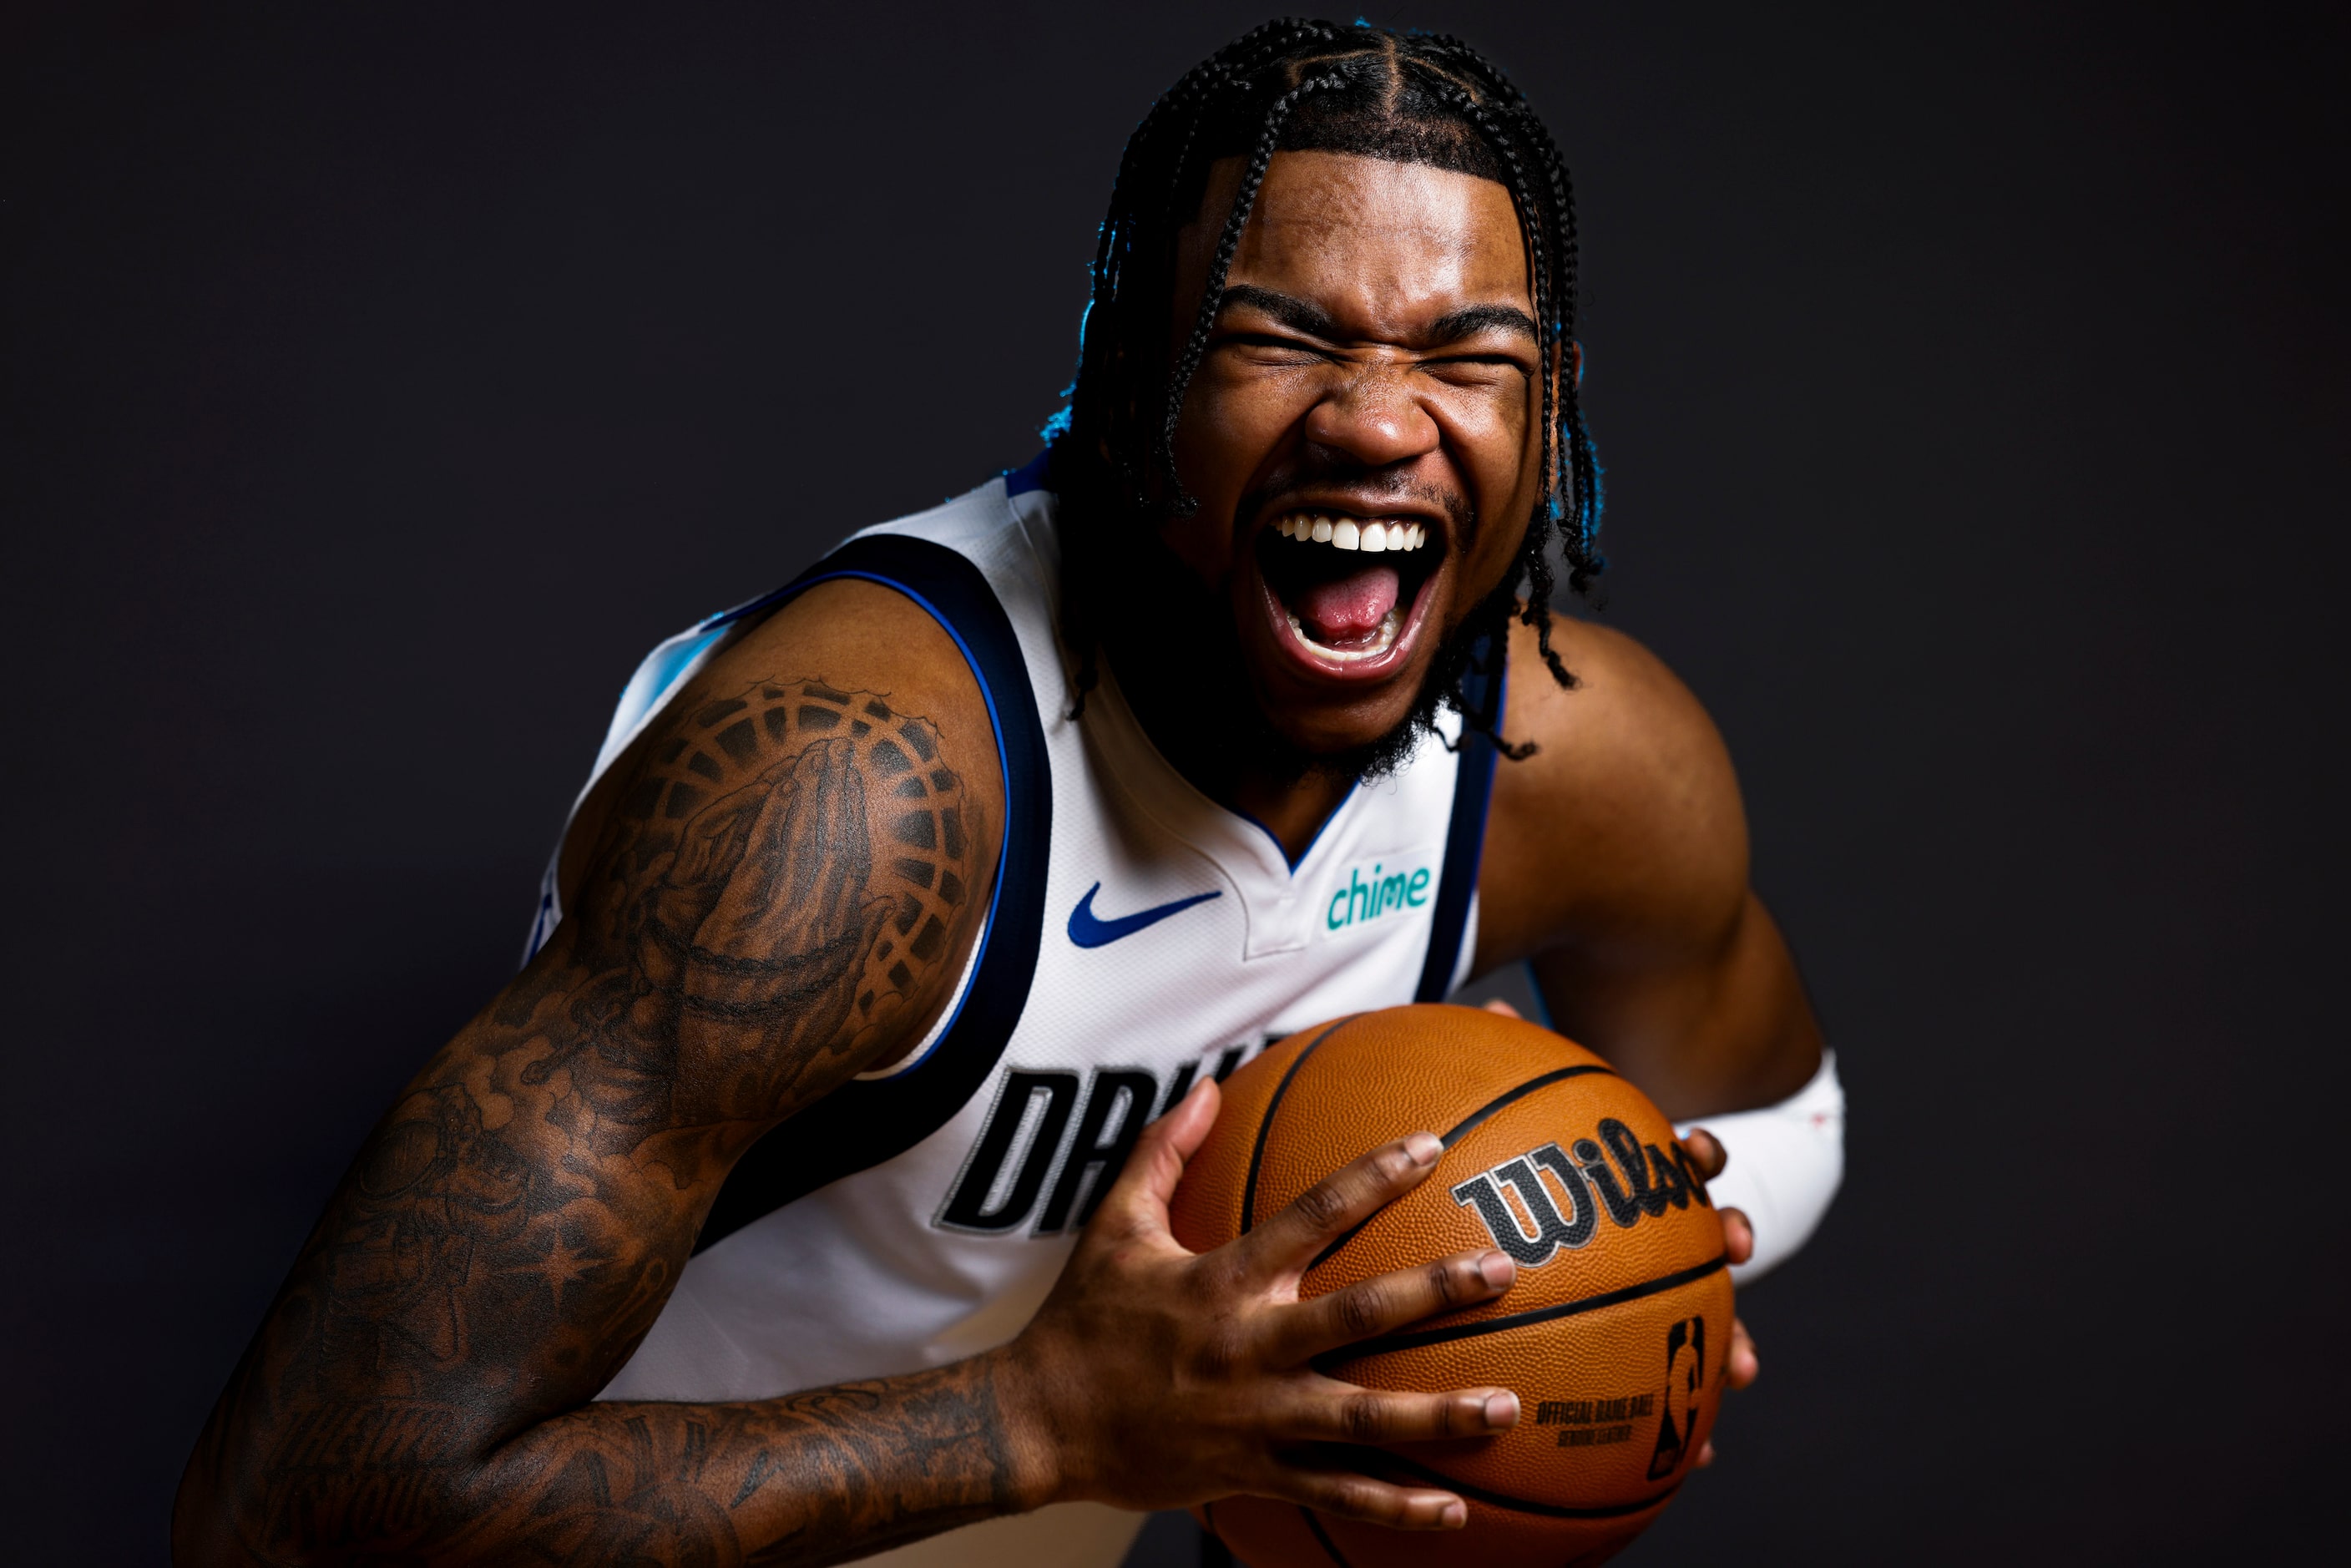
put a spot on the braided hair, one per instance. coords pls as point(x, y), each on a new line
point(1298, 86)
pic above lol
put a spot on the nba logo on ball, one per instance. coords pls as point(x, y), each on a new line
point(1685, 1372)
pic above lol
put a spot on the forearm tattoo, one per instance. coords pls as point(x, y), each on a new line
point(774, 895)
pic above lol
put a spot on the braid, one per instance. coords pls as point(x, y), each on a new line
point(1568, 468)
point(1105, 361)
point(1420, 96)
point(1220, 266)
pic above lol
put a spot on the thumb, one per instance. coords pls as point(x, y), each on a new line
point(1138, 1200)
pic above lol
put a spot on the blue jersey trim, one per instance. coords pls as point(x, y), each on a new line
point(1535, 991)
point(1464, 836)
point(1004, 771)
point(1037, 473)
point(1318, 829)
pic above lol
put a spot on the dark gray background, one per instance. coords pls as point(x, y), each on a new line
point(379, 383)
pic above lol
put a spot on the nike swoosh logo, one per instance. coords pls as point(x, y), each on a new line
point(1087, 931)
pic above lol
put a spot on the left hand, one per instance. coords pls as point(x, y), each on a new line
point(1738, 1240)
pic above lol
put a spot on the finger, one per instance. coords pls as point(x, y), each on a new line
point(1389, 1302)
point(1346, 1494)
point(1705, 1454)
point(1744, 1364)
point(1137, 1201)
point(1737, 1234)
point(1497, 1005)
point(1706, 1152)
point(1324, 1411)
point(1323, 1212)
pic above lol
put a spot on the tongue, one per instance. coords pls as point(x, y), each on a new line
point(1350, 609)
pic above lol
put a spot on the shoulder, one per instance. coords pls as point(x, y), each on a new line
point(816, 814)
point(1626, 825)
point(842, 639)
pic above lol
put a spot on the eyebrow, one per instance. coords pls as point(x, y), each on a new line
point(1299, 316)
point(1476, 319)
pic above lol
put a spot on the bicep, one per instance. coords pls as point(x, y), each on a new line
point(1616, 863)
point(1723, 1028)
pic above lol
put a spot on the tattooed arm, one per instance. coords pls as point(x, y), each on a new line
point(785, 878)
point(782, 880)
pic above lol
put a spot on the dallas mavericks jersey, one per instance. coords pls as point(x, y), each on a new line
point(1140, 935)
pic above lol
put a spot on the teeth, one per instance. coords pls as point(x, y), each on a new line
point(1391, 625)
point(1346, 533)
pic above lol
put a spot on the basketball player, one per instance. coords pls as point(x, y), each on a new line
point(804, 1195)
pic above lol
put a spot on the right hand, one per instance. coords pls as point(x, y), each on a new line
point(1162, 1378)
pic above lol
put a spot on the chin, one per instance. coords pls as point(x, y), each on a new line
point(1370, 737)
point(1334, 730)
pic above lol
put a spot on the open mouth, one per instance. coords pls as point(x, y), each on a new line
point(1349, 588)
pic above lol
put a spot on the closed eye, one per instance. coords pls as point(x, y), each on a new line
point(1276, 343)
point(1477, 369)
point(1512, 360)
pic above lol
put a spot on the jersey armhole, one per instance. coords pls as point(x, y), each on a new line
point(1452, 936)
point(878, 1115)
point(938, 1031)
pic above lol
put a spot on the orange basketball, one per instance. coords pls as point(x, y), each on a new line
point(1614, 1338)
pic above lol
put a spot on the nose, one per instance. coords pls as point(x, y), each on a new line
point(1373, 418)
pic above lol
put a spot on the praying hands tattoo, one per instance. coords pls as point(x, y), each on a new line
point(777, 891)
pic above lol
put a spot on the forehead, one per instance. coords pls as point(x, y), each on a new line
point(1378, 239)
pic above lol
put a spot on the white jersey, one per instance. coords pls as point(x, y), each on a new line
point(1140, 935)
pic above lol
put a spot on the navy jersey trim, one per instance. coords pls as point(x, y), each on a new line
point(1037, 473)
point(1294, 861)
point(1465, 837)
point(867, 1121)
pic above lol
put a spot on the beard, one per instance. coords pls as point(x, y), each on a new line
point(1214, 690)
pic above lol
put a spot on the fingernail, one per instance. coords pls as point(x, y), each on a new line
point(1423, 1148)
point(1497, 1270)
point(1501, 1409)
point(1453, 1515)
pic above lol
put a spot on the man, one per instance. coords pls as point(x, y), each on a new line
point(802, 1197)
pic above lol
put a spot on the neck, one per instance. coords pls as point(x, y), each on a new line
point(1221, 757)
point(1292, 812)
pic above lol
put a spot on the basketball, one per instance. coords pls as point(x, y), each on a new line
point(1614, 1337)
